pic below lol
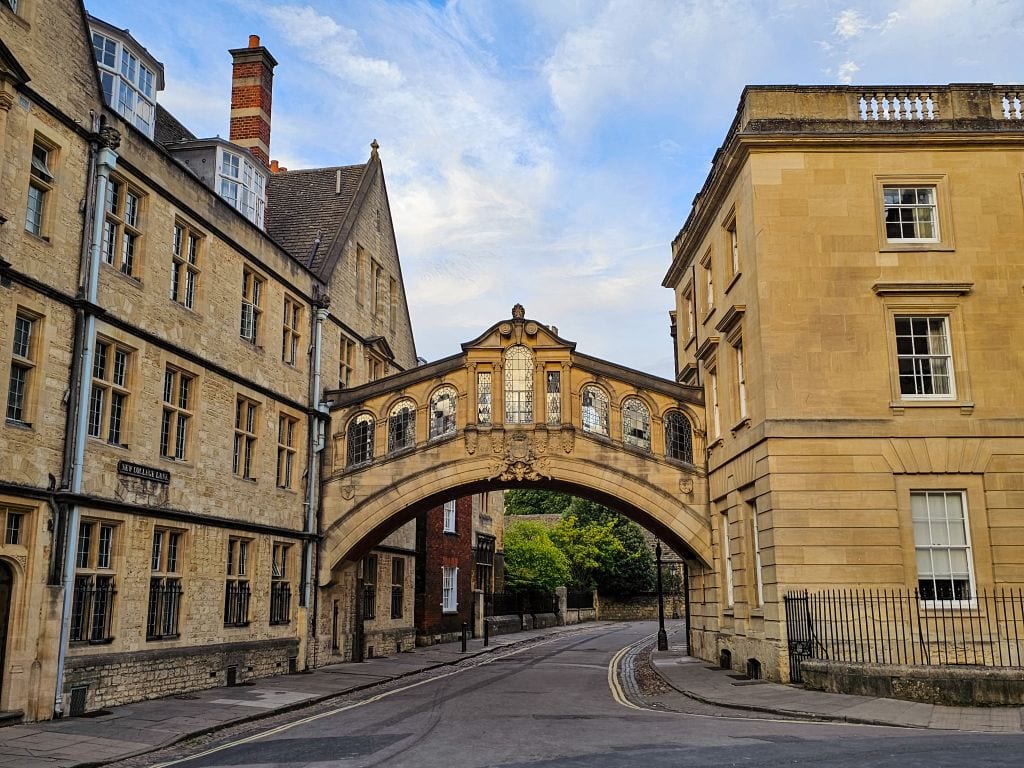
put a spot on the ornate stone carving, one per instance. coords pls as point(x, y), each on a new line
point(531, 329)
point(505, 329)
point(348, 491)
point(142, 492)
point(518, 312)
point(471, 437)
point(686, 485)
point(568, 439)
point(520, 459)
point(109, 137)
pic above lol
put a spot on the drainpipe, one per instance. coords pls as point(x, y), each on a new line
point(106, 161)
point(316, 441)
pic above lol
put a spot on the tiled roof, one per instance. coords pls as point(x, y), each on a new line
point(302, 205)
point(168, 130)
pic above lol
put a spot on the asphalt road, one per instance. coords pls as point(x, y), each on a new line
point(554, 704)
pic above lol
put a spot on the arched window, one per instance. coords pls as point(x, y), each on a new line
point(678, 437)
point(360, 440)
point(518, 385)
point(402, 426)
point(636, 424)
point(595, 410)
point(442, 411)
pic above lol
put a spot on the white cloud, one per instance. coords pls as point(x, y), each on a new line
point(846, 72)
point(850, 23)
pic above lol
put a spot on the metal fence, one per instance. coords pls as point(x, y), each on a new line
point(507, 603)
point(579, 600)
point(280, 602)
point(899, 627)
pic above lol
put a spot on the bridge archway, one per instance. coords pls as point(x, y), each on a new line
point(518, 406)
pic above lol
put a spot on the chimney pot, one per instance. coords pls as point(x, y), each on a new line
point(275, 167)
point(254, 41)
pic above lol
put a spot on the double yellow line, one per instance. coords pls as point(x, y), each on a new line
point(613, 674)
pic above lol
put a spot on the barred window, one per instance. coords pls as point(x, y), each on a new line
point(236, 585)
point(485, 563)
point(442, 411)
point(360, 440)
point(518, 374)
point(636, 424)
point(176, 418)
point(108, 400)
point(402, 426)
point(92, 602)
point(164, 585)
point(280, 586)
point(595, 410)
point(370, 587)
point(678, 437)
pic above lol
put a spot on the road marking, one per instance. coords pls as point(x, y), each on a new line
point(353, 705)
point(613, 676)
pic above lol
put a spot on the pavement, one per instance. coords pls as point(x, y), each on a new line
point(706, 682)
point(145, 726)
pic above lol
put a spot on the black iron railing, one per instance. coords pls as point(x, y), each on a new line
point(507, 603)
point(236, 604)
point(899, 627)
point(579, 600)
point(280, 602)
point(370, 601)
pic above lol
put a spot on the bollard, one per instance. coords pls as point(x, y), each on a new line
point(487, 633)
point(465, 635)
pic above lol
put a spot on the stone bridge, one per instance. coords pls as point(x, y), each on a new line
point(518, 407)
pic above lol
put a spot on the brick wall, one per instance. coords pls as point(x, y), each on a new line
point(438, 550)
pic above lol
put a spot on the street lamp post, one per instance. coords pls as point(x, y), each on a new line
point(662, 636)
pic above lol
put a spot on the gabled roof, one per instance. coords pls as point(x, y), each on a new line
point(306, 209)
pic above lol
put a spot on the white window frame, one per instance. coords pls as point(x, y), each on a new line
point(449, 589)
point(242, 184)
point(756, 539)
point(931, 546)
point(932, 206)
point(741, 379)
point(716, 417)
point(449, 516)
point(915, 358)
point(730, 592)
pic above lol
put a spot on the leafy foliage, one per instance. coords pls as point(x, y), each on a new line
point(632, 570)
point(530, 502)
point(531, 558)
point(589, 547)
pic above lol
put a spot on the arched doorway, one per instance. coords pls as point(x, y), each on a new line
point(6, 586)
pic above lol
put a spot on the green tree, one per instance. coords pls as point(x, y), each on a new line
point(531, 502)
point(589, 546)
point(631, 570)
point(531, 558)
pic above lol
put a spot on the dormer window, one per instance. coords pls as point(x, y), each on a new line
point(242, 185)
point(128, 83)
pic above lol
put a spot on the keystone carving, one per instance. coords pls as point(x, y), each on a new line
point(519, 458)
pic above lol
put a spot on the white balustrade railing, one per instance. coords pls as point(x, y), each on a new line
point(909, 105)
point(1013, 105)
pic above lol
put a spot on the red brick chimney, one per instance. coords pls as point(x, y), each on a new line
point(252, 82)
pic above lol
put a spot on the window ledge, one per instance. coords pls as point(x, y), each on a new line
point(899, 406)
point(159, 638)
point(898, 247)
point(26, 425)
point(757, 613)
point(176, 462)
point(733, 280)
point(707, 316)
point(744, 422)
point(239, 625)
point(715, 443)
point(131, 279)
point(41, 239)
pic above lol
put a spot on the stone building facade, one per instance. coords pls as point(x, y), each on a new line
point(847, 287)
point(164, 342)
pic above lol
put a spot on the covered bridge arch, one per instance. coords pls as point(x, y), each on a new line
point(517, 406)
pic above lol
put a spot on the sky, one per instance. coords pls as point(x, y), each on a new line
point(546, 151)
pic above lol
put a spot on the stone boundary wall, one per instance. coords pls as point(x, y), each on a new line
point(948, 686)
point(579, 615)
point(387, 642)
point(639, 608)
point(121, 678)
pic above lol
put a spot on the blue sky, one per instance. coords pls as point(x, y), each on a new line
point(541, 151)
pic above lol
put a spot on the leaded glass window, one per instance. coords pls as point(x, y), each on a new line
point(553, 393)
point(442, 411)
point(678, 437)
point(483, 398)
point(518, 385)
point(595, 410)
point(636, 424)
point(402, 426)
point(360, 440)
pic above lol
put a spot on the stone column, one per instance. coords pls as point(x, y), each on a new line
point(563, 604)
point(478, 613)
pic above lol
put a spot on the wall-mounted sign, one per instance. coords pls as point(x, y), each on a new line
point(141, 471)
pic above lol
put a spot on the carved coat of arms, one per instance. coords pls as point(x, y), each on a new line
point(518, 458)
